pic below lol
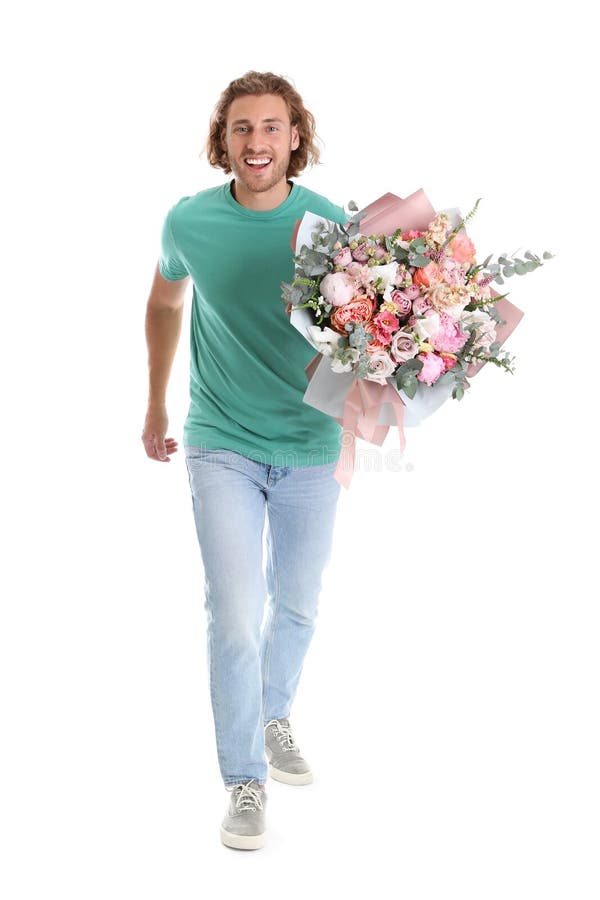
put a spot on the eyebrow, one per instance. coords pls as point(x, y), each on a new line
point(247, 121)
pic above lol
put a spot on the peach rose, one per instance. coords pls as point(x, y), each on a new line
point(356, 311)
point(427, 275)
point(462, 248)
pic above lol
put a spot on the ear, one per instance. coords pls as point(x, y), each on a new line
point(295, 138)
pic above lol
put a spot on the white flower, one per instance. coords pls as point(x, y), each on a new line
point(383, 365)
point(428, 327)
point(486, 329)
point(387, 274)
point(322, 339)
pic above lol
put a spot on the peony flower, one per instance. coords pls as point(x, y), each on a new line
point(462, 248)
point(337, 288)
point(403, 347)
point(382, 365)
point(433, 367)
point(360, 310)
point(449, 337)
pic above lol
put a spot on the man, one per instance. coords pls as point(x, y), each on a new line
point(252, 445)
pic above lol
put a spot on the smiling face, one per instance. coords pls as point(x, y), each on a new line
point(259, 140)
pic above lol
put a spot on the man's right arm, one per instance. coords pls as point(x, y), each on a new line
point(164, 315)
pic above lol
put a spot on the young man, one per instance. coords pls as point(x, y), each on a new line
point(252, 445)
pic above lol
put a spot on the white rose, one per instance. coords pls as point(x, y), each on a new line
point(384, 366)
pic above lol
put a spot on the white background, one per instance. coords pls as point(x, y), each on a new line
point(449, 701)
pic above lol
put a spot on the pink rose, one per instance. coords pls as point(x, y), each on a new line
point(379, 252)
point(359, 254)
point(449, 337)
point(412, 291)
point(403, 347)
point(337, 288)
point(403, 276)
point(403, 304)
point(433, 367)
point(343, 258)
point(421, 306)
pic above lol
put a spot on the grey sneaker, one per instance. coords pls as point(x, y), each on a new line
point(243, 826)
point(283, 754)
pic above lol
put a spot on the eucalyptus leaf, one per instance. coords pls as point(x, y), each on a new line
point(409, 385)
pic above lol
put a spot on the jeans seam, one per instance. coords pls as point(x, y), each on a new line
point(274, 619)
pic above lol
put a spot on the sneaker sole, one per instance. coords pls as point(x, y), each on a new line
point(290, 777)
point(242, 841)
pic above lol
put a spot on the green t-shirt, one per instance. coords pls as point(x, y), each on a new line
point(247, 378)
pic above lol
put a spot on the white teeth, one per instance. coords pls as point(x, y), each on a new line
point(258, 161)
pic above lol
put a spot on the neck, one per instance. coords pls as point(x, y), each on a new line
point(261, 200)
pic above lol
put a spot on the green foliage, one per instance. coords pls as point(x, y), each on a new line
point(406, 377)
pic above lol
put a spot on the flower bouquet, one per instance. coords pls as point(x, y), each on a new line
point(400, 312)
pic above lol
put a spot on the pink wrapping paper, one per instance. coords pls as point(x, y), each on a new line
point(364, 398)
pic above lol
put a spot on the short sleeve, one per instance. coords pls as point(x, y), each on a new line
point(170, 264)
point(339, 215)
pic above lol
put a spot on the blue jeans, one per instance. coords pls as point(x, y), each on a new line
point(253, 670)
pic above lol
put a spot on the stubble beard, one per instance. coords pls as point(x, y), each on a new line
point(255, 183)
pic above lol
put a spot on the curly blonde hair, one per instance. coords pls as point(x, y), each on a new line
point(257, 83)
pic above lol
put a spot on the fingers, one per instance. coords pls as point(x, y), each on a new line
point(158, 449)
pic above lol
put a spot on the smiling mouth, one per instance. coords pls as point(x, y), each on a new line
point(257, 163)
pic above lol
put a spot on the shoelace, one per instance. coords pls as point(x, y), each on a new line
point(249, 798)
point(283, 735)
